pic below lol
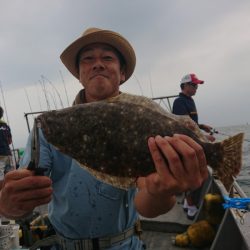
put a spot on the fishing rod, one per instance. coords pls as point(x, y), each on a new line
point(38, 96)
point(45, 93)
point(150, 84)
point(27, 97)
point(64, 86)
point(139, 84)
point(55, 89)
point(7, 118)
point(214, 131)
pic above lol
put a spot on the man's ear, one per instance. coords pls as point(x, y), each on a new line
point(122, 73)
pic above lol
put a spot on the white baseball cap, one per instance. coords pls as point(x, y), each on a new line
point(192, 78)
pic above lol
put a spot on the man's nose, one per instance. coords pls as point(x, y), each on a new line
point(98, 64)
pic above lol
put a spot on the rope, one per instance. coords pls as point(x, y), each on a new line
point(239, 203)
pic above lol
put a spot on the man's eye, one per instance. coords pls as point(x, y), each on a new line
point(86, 58)
point(108, 58)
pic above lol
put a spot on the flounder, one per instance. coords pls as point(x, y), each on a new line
point(109, 138)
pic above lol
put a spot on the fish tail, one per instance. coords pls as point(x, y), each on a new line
point(231, 159)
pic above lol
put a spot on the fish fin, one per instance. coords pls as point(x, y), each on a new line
point(116, 181)
point(231, 163)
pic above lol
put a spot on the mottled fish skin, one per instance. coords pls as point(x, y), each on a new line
point(185, 120)
point(110, 138)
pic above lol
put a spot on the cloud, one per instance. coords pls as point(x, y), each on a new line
point(171, 38)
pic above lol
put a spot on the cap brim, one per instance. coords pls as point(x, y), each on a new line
point(198, 82)
point(69, 55)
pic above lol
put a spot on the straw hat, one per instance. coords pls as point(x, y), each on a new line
point(95, 35)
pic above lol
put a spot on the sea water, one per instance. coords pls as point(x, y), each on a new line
point(243, 178)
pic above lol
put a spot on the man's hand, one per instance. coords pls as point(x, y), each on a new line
point(22, 191)
point(205, 127)
point(210, 138)
point(180, 165)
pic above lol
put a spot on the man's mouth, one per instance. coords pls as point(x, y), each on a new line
point(98, 75)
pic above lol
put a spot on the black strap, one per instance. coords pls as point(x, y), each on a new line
point(46, 242)
point(95, 243)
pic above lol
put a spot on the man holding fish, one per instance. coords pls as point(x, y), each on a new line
point(86, 211)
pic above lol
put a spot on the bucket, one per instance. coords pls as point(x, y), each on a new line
point(14, 238)
point(5, 237)
point(2, 167)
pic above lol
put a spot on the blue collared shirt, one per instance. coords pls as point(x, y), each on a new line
point(82, 206)
point(185, 105)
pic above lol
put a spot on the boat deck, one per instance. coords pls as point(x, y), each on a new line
point(233, 233)
point(158, 233)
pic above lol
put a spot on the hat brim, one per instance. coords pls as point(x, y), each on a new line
point(69, 55)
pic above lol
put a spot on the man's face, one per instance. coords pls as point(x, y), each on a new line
point(100, 71)
point(191, 88)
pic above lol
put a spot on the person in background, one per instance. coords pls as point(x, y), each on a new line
point(184, 105)
point(5, 141)
point(85, 212)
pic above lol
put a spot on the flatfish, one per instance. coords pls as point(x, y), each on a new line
point(109, 139)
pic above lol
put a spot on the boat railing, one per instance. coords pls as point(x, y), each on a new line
point(165, 102)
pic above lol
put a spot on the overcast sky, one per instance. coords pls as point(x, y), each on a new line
point(171, 39)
